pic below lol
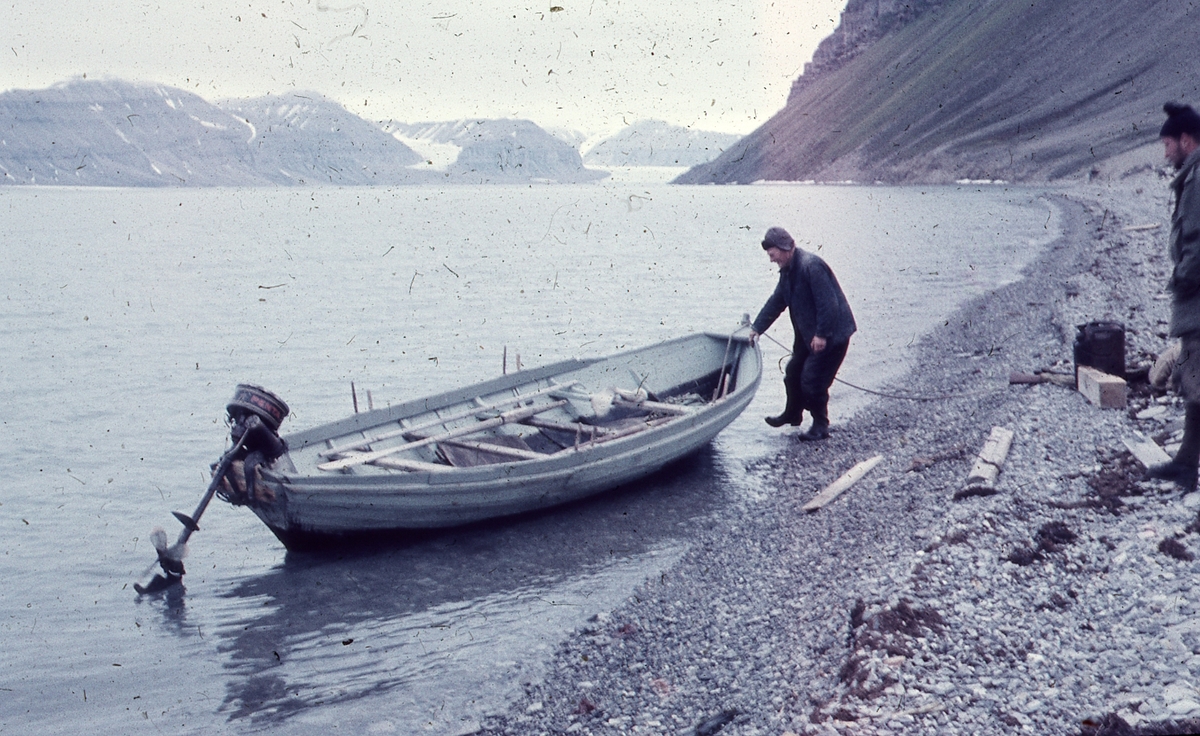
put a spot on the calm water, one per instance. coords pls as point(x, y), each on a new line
point(129, 315)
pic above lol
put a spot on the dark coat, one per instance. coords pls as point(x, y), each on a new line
point(1185, 249)
point(810, 292)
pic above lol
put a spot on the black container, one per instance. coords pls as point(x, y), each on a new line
point(1101, 345)
point(257, 400)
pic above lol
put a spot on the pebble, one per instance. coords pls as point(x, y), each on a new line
point(899, 610)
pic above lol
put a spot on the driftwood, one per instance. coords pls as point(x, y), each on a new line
point(839, 486)
point(1059, 379)
point(1016, 377)
point(515, 415)
point(991, 457)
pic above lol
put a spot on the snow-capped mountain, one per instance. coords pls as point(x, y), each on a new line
point(496, 151)
point(655, 143)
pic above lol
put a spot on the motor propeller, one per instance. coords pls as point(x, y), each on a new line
point(255, 414)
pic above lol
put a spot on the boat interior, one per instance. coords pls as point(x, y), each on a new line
point(520, 420)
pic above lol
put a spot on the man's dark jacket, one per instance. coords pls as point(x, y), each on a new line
point(1185, 249)
point(810, 292)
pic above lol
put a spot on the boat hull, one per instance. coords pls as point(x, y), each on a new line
point(317, 507)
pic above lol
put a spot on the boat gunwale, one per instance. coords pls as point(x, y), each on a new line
point(516, 470)
point(364, 421)
point(509, 471)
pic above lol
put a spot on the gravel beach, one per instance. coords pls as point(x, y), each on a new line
point(1062, 603)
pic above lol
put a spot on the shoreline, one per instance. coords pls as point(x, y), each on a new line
point(897, 609)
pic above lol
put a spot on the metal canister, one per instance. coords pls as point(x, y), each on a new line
point(1101, 345)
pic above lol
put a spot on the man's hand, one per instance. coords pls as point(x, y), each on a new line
point(817, 344)
point(753, 337)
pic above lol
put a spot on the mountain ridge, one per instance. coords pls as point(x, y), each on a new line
point(111, 132)
point(658, 143)
point(970, 90)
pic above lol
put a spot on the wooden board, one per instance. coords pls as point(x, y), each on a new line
point(836, 488)
point(1103, 390)
point(990, 458)
point(1146, 450)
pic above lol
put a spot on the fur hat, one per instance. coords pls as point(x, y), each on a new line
point(1180, 119)
point(777, 237)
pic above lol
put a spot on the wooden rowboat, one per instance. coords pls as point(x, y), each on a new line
point(514, 444)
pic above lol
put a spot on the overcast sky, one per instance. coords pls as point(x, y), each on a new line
point(585, 64)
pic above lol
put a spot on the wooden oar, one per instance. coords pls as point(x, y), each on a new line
point(574, 427)
point(514, 453)
point(618, 434)
point(419, 466)
point(515, 415)
point(366, 442)
point(631, 397)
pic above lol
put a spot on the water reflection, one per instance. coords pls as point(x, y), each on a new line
point(172, 602)
point(441, 625)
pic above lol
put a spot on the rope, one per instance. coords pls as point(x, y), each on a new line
point(907, 397)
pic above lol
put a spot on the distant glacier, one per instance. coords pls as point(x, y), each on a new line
point(117, 133)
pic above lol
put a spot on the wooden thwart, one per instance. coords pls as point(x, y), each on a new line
point(991, 457)
point(839, 486)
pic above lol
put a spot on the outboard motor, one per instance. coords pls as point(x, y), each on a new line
point(254, 418)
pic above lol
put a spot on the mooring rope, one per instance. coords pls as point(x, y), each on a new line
point(908, 397)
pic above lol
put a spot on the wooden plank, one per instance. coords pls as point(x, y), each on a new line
point(839, 486)
point(515, 415)
point(991, 457)
point(1103, 390)
point(366, 442)
point(1146, 450)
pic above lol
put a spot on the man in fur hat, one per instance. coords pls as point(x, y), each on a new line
point(1180, 136)
point(822, 322)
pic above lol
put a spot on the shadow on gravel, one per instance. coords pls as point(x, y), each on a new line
point(1114, 725)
